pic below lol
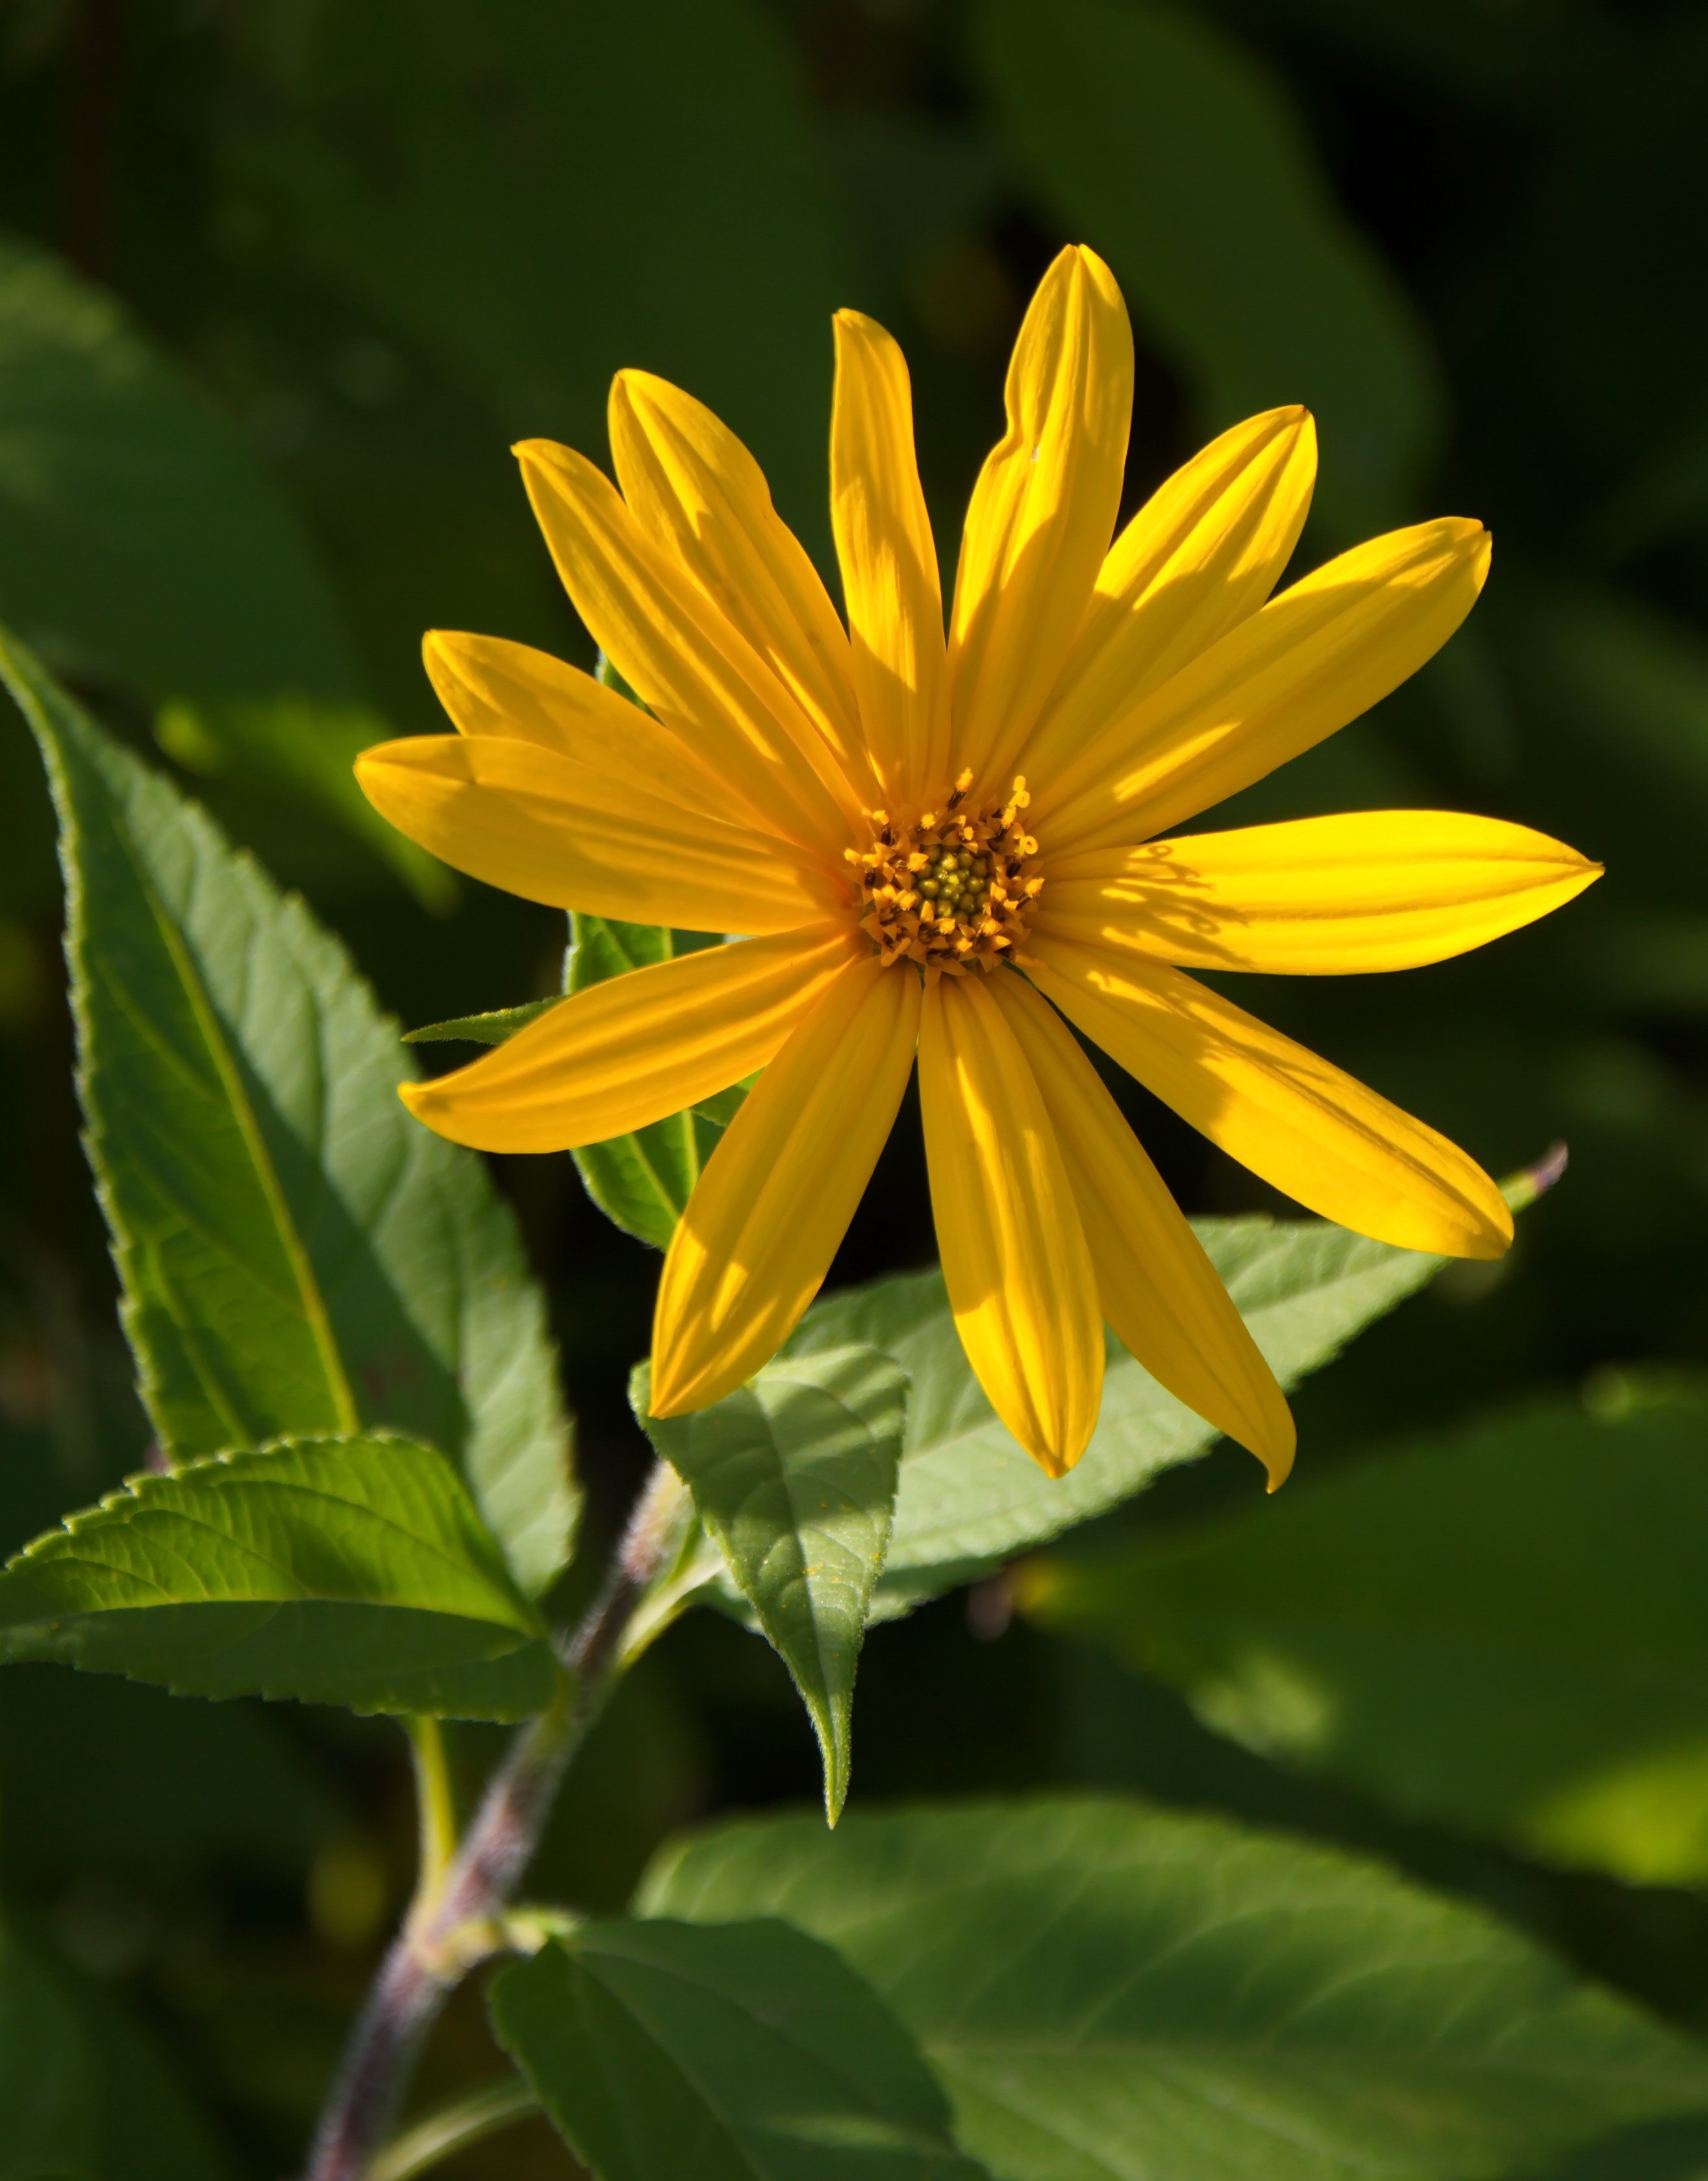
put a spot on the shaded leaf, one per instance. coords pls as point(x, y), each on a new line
point(298, 1256)
point(744, 2051)
point(1109, 1993)
point(794, 1476)
point(444, 169)
point(643, 1181)
point(83, 2092)
point(971, 1498)
point(308, 748)
point(1168, 147)
point(111, 1775)
point(351, 1571)
point(138, 539)
point(490, 1029)
point(1501, 1629)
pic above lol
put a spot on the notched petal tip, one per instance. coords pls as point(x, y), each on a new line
point(1092, 264)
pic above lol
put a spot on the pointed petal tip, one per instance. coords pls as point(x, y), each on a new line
point(1279, 1466)
point(677, 1389)
point(1521, 1189)
point(1495, 1239)
point(664, 1400)
point(1056, 1457)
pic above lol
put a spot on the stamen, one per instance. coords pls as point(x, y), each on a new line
point(953, 887)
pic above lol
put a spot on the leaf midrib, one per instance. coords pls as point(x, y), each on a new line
point(716, 2112)
point(310, 1300)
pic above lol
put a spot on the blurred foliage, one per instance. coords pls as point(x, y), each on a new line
point(277, 282)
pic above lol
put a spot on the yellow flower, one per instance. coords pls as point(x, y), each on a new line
point(949, 848)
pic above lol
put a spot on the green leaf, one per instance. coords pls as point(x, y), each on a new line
point(109, 1775)
point(440, 166)
point(351, 1571)
point(138, 539)
point(1109, 1993)
point(46, 2121)
point(971, 1498)
point(490, 1029)
point(82, 2091)
point(307, 747)
point(1168, 147)
point(1501, 1629)
point(298, 1256)
point(741, 2052)
point(642, 1181)
point(794, 1475)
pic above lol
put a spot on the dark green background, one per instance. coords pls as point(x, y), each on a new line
point(380, 241)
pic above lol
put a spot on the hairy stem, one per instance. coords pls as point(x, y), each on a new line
point(453, 1923)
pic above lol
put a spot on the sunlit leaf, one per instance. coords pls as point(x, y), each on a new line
point(794, 1476)
point(971, 1498)
point(1111, 1993)
point(351, 1571)
point(744, 2051)
point(298, 1256)
point(1501, 1629)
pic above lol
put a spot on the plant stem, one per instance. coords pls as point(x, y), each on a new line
point(434, 1802)
point(453, 1922)
point(452, 2128)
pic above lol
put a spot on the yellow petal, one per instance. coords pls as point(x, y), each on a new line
point(577, 836)
point(762, 1224)
point(1041, 515)
point(1015, 1259)
point(492, 688)
point(889, 563)
point(1157, 1288)
point(698, 494)
point(671, 644)
point(636, 1048)
point(1305, 1127)
point(1370, 890)
point(1204, 552)
point(1324, 651)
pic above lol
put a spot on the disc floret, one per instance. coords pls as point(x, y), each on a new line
point(952, 889)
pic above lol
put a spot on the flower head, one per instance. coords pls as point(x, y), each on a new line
point(955, 846)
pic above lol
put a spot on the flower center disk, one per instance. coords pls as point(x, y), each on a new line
point(952, 888)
